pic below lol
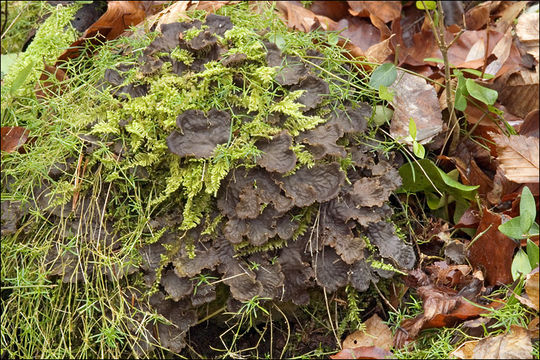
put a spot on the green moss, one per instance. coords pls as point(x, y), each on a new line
point(49, 42)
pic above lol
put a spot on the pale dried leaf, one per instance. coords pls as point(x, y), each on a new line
point(377, 333)
point(531, 287)
point(414, 98)
point(518, 157)
point(515, 344)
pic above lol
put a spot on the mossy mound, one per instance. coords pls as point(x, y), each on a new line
point(230, 159)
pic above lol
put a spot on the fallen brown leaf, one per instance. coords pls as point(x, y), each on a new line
point(518, 91)
point(414, 98)
point(518, 156)
point(120, 15)
point(527, 32)
point(531, 288)
point(335, 10)
point(299, 18)
point(530, 124)
point(13, 137)
point(515, 344)
point(387, 11)
point(493, 250)
point(377, 334)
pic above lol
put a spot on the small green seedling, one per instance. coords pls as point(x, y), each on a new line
point(523, 227)
point(418, 149)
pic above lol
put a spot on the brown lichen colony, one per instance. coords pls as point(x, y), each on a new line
point(286, 227)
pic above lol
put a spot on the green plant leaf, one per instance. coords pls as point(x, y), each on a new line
point(533, 253)
point(437, 60)
point(485, 95)
point(527, 210)
point(21, 77)
point(430, 5)
point(442, 181)
point(418, 149)
point(412, 128)
point(385, 75)
point(520, 264)
point(385, 93)
point(512, 228)
point(434, 201)
point(382, 114)
point(478, 74)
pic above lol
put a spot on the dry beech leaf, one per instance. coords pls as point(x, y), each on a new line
point(386, 11)
point(119, 16)
point(518, 157)
point(518, 91)
point(515, 344)
point(363, 352)
point(414, 98)
point(527, 32)
point(13, 137)
point(300, 18)
point(531, 288)
point(377, 333)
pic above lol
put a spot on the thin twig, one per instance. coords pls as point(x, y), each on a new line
point(330, 318)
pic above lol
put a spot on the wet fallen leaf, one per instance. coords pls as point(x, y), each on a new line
point(518, 156)
point(414, 98)
point(515, 344)
point(363, 352)
point(492, 250)
point(13, 137)
point(377, 334)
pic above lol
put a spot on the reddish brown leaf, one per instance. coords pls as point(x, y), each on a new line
point(335, 10)
point(477, 17)
point(387, 11)
point(13, 137)
point(300, 18)
point(363, 352)
point(493, 250)
point(518, 156)
point(119, 16)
